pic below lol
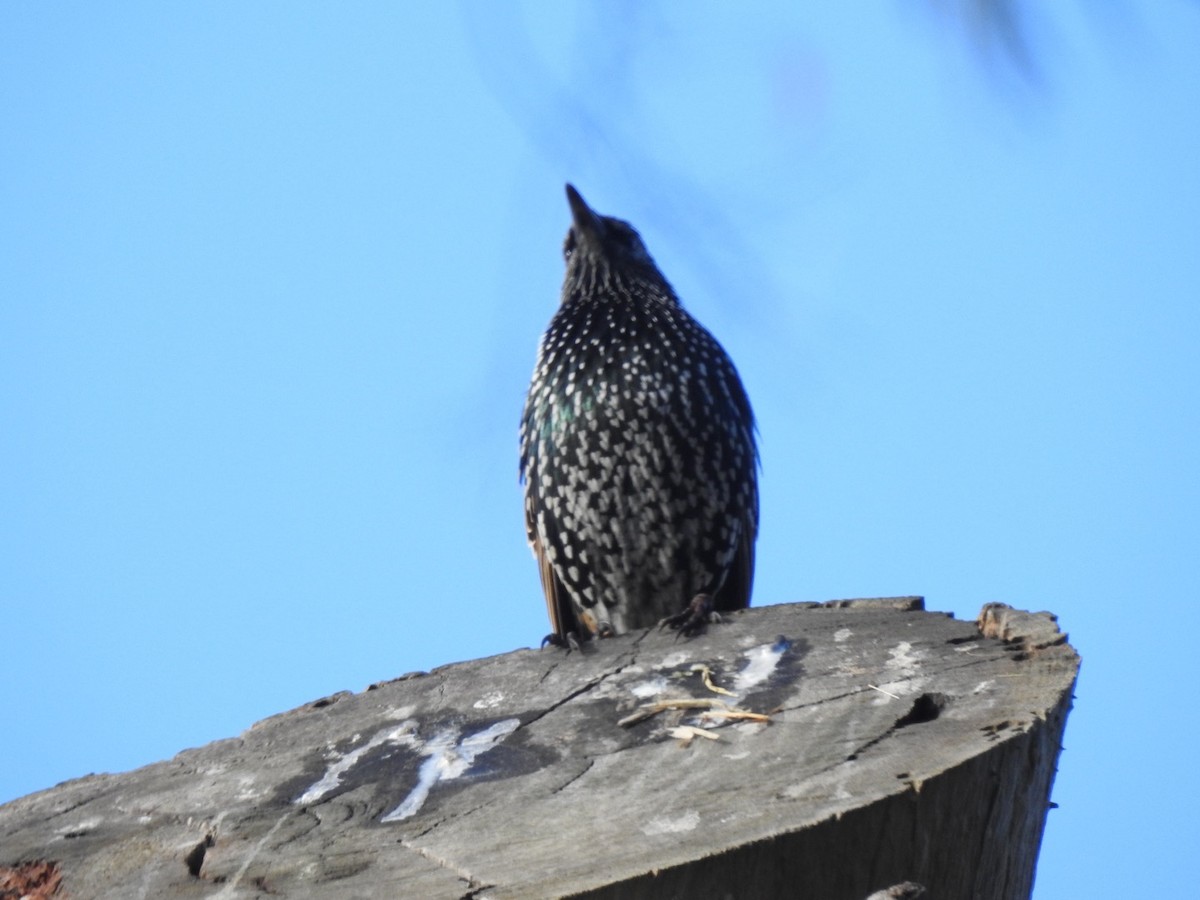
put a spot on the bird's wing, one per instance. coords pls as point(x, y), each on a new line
point(558, 603)
point(735, 592)
point(549, 587)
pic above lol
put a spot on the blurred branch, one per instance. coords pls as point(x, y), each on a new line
point(996, 27)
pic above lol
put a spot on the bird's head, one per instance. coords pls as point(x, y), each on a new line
point(602, 242)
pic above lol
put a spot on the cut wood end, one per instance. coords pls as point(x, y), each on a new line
point(36, 879)
point(1034, 631)
point(912, 604)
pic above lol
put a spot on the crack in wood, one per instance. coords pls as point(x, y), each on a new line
point(195, 857)
point(579, 692)
point(473, 883)
point(925, 708)
point(570, 781)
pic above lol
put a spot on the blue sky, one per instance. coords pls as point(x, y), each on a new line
point(273, 277)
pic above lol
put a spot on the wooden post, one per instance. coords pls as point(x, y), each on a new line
point(805, 751)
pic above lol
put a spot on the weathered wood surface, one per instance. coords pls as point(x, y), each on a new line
point(901, 746)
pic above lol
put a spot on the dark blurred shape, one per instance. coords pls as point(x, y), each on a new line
point(998, 28)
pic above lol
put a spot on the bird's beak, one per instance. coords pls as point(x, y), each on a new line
point(587, 223)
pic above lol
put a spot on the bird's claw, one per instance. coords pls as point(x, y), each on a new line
point(694, 617)
point(568, 642)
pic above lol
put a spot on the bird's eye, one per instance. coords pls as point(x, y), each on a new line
point(569, 244)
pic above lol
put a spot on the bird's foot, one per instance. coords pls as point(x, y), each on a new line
point(582, 639)
point(568, 642)
point(694, 617)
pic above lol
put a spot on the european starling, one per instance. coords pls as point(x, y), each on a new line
point(637, 449)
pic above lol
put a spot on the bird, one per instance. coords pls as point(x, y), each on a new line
point(638, 450)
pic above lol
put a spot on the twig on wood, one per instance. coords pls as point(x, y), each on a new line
point(711, 707)
point(686, 733)
point(706, 674)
